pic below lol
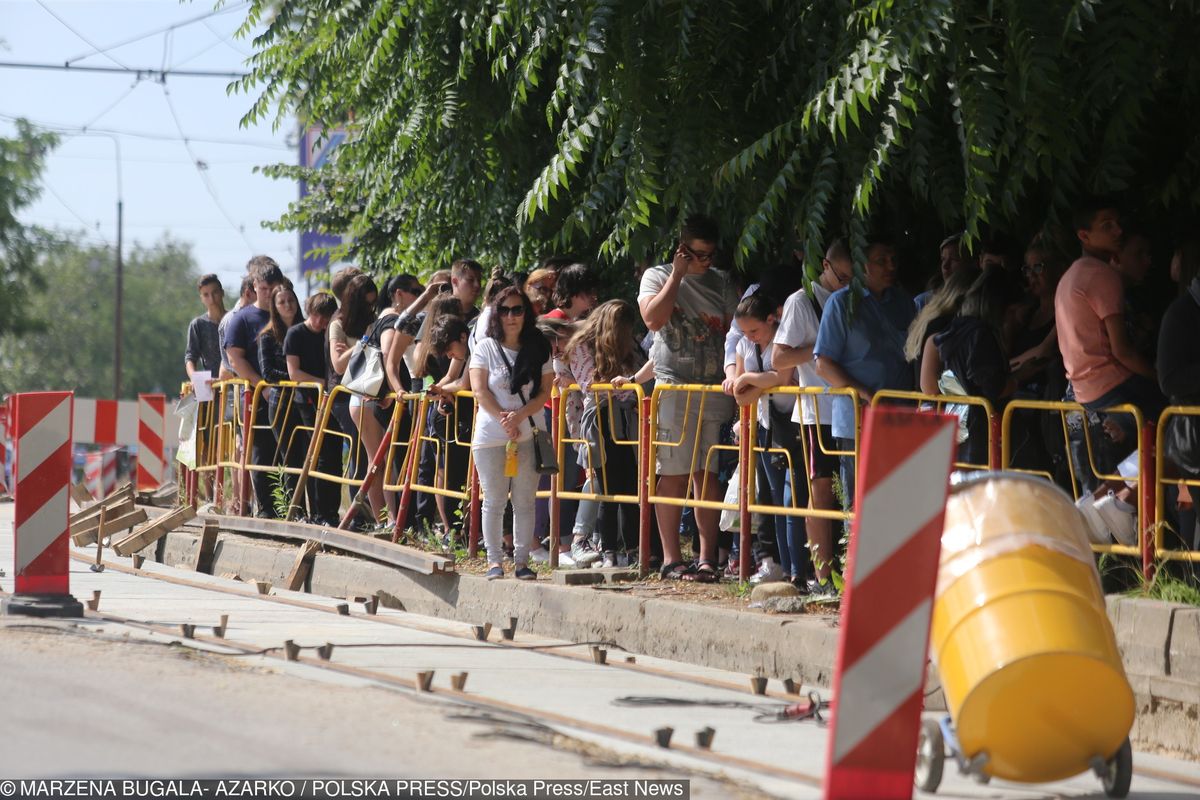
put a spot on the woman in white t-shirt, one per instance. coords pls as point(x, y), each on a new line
point(512, 376)
point(777, 544)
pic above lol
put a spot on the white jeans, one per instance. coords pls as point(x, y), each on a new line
point(498, 490)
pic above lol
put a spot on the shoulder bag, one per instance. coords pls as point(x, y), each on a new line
point(545, 457)
point(364, 374)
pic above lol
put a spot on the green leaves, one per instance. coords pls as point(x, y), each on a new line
point(508, 129)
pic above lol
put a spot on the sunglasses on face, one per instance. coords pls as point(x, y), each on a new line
point(700, 256)
point(841, 279)
point(1033, 269)
point(511, 311)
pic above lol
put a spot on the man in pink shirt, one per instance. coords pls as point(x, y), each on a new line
point(1102, 363)
point(1104, 367)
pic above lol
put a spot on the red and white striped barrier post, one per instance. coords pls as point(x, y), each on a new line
point(100, 472)
point(3, 447)
point(152, 431)
point(891, 576)
point(42, 431)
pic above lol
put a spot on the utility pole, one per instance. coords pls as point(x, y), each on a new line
point(119, 304)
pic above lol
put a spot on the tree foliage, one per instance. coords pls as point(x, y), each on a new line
point(21, 161)
point(508, 129)
point(73, 350)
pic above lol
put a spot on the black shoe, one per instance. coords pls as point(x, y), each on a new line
point(495, 573)
point(525, 574)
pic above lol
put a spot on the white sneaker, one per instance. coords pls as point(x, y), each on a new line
point(539, 556)
point(768, 572)
point(1119, 522)
point(566, 562)
point(610, 560)
point(1097, 529)
point(583, 555)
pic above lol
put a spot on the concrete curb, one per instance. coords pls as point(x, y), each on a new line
point(1159, 642)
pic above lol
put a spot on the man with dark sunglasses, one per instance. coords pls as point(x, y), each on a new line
point(688, 305)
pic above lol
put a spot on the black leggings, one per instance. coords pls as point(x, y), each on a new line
point(618, 522)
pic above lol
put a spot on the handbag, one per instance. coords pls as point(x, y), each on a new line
point(364, 374)
point(545, 457)
point(1183, 444)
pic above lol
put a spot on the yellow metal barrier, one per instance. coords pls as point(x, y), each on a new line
point(1193, 484)
point(828, 448)
point(709, 461)
point(939, 403)
point(450, 431)
point(606, 389)
point(1063, 408)
point(350, 438)
point(284, 409)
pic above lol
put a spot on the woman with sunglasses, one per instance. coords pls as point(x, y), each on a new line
point(511, 376)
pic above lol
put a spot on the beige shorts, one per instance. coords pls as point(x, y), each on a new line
point(680, 424)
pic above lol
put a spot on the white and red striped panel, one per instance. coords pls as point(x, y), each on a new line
point(113, 422)
point(151, 462)
point(100, 472)
point(891, 575)
point(42, 474)
point(3, 447)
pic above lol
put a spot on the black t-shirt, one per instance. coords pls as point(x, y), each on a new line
point(309, 345)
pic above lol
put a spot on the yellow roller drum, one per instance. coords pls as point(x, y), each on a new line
point(1026, 655)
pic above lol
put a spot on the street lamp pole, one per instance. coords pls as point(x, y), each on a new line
point(118, 322)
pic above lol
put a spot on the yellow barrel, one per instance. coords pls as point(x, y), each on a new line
point(1026, 655)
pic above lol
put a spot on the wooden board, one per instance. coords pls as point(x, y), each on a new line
point(85, 533)
point(295, 579)
point(393, 554)
point(208, 544)
point(151, 532)
point(82, 497)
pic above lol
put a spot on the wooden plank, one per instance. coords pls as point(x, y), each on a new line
point(295, 579)
point(378, 549)
point(87, 535)
point(82, 497)
point(150, 533)
point(115, 504)
point(208, 544)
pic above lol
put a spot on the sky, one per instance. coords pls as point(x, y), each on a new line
point(202, 190)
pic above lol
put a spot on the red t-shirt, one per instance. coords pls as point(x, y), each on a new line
point(1088, 294)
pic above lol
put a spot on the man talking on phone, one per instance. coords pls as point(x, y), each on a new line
point(688, 305)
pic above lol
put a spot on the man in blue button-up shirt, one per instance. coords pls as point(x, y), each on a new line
point(863, 348)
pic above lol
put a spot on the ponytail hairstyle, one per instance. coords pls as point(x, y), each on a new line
point(445, 307)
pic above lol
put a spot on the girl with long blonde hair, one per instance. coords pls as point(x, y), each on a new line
point(602, 351)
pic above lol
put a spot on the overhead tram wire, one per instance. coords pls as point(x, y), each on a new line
point(142, 72)
point(61, 128)
point(112, 105)
point(88, 41)
point(173, 26)
point(201, 171)
point(87, 226)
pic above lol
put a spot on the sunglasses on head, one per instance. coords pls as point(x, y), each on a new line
point(511, 311)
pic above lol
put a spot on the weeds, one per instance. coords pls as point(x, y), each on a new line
point(281, 496)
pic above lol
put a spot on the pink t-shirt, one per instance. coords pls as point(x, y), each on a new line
point(1088, 294)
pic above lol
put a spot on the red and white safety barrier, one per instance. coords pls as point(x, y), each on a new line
point(42, 431)
point(891, 576)
point(3, 447)
point(100, 472)
point(113, 422)
point(151, 461)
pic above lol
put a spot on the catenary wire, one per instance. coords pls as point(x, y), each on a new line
point(173, 26)
point(201, 171)
point(72, 29)
point(62, 128)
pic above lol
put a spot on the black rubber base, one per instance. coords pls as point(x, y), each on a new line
point(41, 605)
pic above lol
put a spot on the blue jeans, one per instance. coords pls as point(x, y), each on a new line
point(775, 488)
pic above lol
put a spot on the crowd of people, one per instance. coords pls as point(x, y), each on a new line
point(1055, 322)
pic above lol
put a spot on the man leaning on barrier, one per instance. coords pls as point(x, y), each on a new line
point(688, 305)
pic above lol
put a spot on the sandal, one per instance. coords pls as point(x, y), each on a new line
point(705, 572)
point(676, 571)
